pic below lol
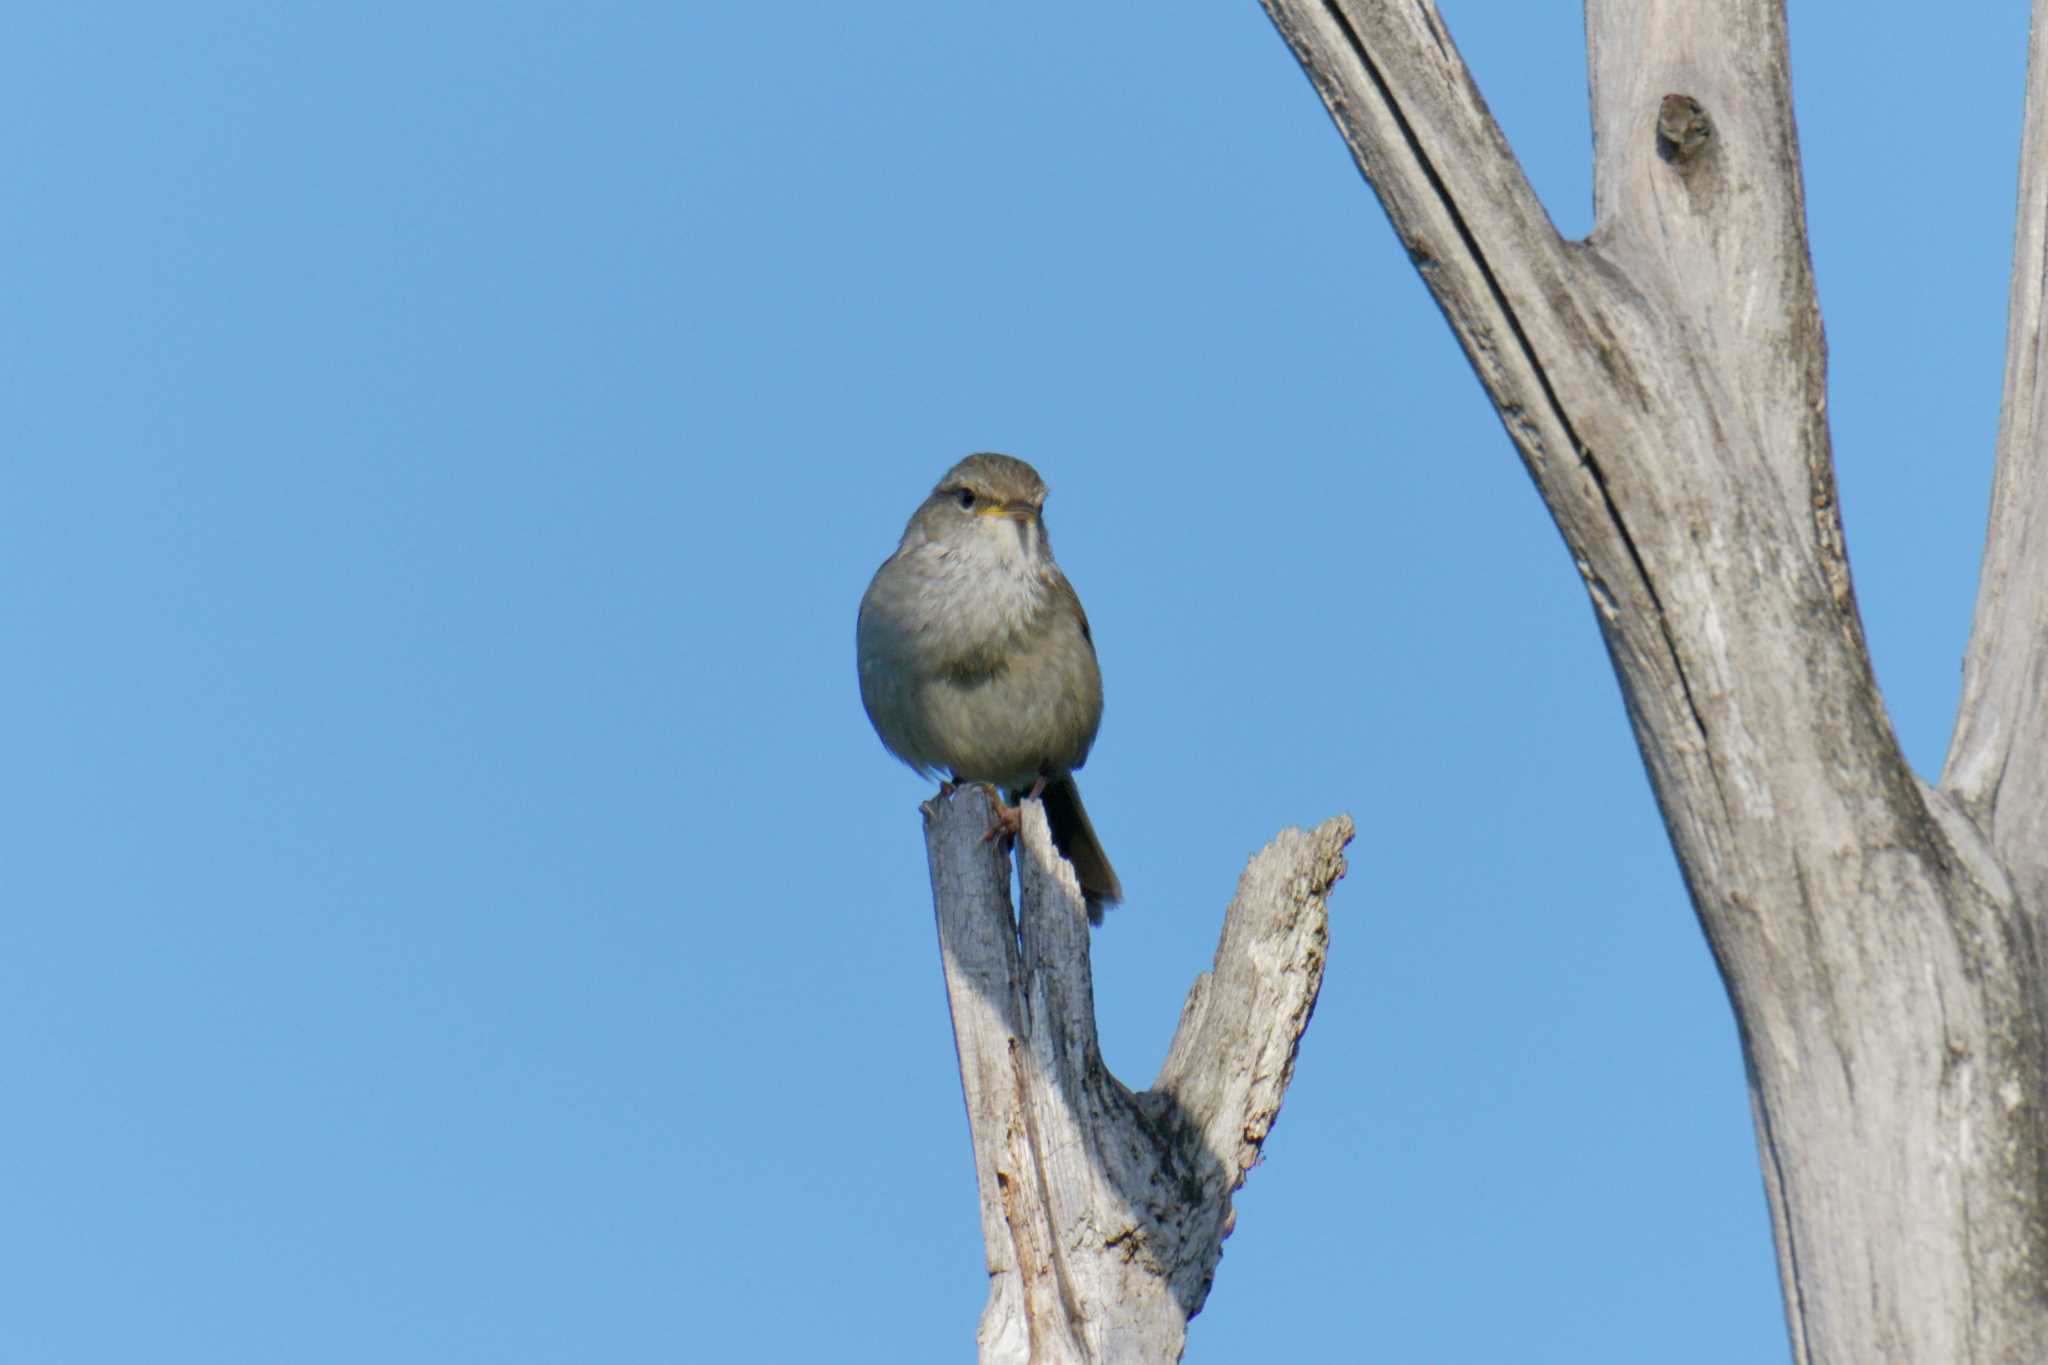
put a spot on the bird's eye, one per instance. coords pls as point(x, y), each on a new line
point(965, 499)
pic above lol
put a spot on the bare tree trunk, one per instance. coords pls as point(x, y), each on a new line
point(1665, 383)
point(1105, 1211)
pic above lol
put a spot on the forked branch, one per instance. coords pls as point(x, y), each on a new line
point(1104, 1211)
point(1665, 383)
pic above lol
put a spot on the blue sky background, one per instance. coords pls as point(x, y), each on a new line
point(457, 910)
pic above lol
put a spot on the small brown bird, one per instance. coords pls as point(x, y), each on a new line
point(976, 659)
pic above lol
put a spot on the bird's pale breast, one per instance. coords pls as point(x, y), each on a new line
point(977, 669)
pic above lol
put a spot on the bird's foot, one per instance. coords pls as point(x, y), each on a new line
point(1004, 823)
point(945, 793)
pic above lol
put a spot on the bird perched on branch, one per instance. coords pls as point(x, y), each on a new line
point(976, 660)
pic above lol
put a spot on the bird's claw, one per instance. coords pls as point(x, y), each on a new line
point(1004, 822)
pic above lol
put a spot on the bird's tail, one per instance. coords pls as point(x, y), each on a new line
point(1075, 838)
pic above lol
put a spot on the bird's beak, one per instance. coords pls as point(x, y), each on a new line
point(1020, 511)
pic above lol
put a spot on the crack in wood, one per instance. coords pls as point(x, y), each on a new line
point(1508, 312)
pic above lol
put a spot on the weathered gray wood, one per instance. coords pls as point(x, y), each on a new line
point(1665, 384)
point(1998, 760)
point(1104, 1211)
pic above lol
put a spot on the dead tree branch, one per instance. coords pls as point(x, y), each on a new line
point(1665, 384)
point(1104, 1211)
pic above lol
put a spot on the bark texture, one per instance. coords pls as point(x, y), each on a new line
point(1104, 1211)
point(1665, 383)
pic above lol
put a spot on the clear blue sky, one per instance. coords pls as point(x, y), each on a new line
point(456, 909)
